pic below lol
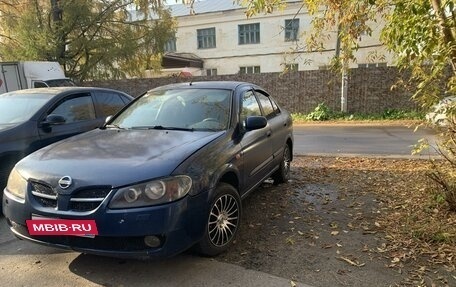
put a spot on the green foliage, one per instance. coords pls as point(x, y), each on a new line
point(439, 198)
point(395, 114)
point(442, 237)
point(422, 35)
point(321, 113)
point(91, 39)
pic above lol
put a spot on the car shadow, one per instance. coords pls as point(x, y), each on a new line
point(182, 270)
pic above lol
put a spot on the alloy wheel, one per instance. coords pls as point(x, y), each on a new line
point(223, 220)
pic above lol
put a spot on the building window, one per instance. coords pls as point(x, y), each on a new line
point(206, 38)
point(372, 65)
point(250, 70)
point(211, 72)
point(324, 67)
point(291, 67)
point(249, 34)
point(291, 29)
point(170, 45)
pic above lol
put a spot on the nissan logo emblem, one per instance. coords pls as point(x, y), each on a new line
point(65, 182)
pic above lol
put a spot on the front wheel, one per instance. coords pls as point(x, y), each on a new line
point(223, 221)
point(282, 175)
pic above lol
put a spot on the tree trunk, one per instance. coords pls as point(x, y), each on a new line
point(57, 15)
point(448, 37)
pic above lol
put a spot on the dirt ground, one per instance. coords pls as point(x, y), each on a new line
point(350, 222)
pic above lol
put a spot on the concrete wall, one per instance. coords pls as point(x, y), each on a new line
point(369, 89)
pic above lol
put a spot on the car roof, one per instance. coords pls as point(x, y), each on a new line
point(228, 85)
point(55, 91)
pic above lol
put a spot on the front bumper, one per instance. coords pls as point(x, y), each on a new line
point(121, 233)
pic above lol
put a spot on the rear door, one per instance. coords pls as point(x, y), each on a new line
point(79, 112)
point(11, 77)
point(256, 146)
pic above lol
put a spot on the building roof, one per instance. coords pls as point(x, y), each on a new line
point(207, 6)
point(181, 60)
point(199, 7)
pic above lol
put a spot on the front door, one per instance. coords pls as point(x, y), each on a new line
point(256, 146)
point(79, 113)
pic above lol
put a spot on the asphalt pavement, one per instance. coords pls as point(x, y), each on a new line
point(23, 263)
point(361, 140)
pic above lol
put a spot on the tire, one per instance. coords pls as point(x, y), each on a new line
point(282, 175)
point(223, 221)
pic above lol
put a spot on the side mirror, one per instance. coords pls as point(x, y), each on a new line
point(255, 123)
point(54, 119)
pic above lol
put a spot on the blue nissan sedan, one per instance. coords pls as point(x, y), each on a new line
point(165, 174)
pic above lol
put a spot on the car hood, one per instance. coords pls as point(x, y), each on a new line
point(6, 126)
point(114, 157)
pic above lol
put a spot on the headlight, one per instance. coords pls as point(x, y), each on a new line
point(17, 185)
point(152, 192)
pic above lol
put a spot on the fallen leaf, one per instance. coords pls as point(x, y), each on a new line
point(351, 262)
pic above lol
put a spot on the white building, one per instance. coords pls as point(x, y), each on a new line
point(219, 39)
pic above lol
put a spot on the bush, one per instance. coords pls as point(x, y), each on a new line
point(393, 114)
point(444, 174)
point(447, 185)
point(321, 113)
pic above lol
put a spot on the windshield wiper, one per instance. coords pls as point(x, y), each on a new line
point(162, 128)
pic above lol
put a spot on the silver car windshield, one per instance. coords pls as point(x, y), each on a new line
point(18, 109)
point(186, 109)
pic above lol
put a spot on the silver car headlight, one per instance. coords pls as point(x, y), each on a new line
point(17, 185)
point(152, 192)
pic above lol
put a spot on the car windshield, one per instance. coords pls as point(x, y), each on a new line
point(186, 109)
point(19, 108)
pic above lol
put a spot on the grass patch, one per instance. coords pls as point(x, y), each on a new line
point(323, 113)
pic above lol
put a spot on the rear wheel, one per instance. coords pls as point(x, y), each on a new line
point(223, 221)
point(282, 175)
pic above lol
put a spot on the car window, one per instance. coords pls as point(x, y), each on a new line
point(18, 108)
point(199, 109)
point(39, 85)
point(109, 102)
point(125, 99)
point(250, 106)
point(268, 109)
point(76, 109)
point(60, 83)
point(275, 106)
